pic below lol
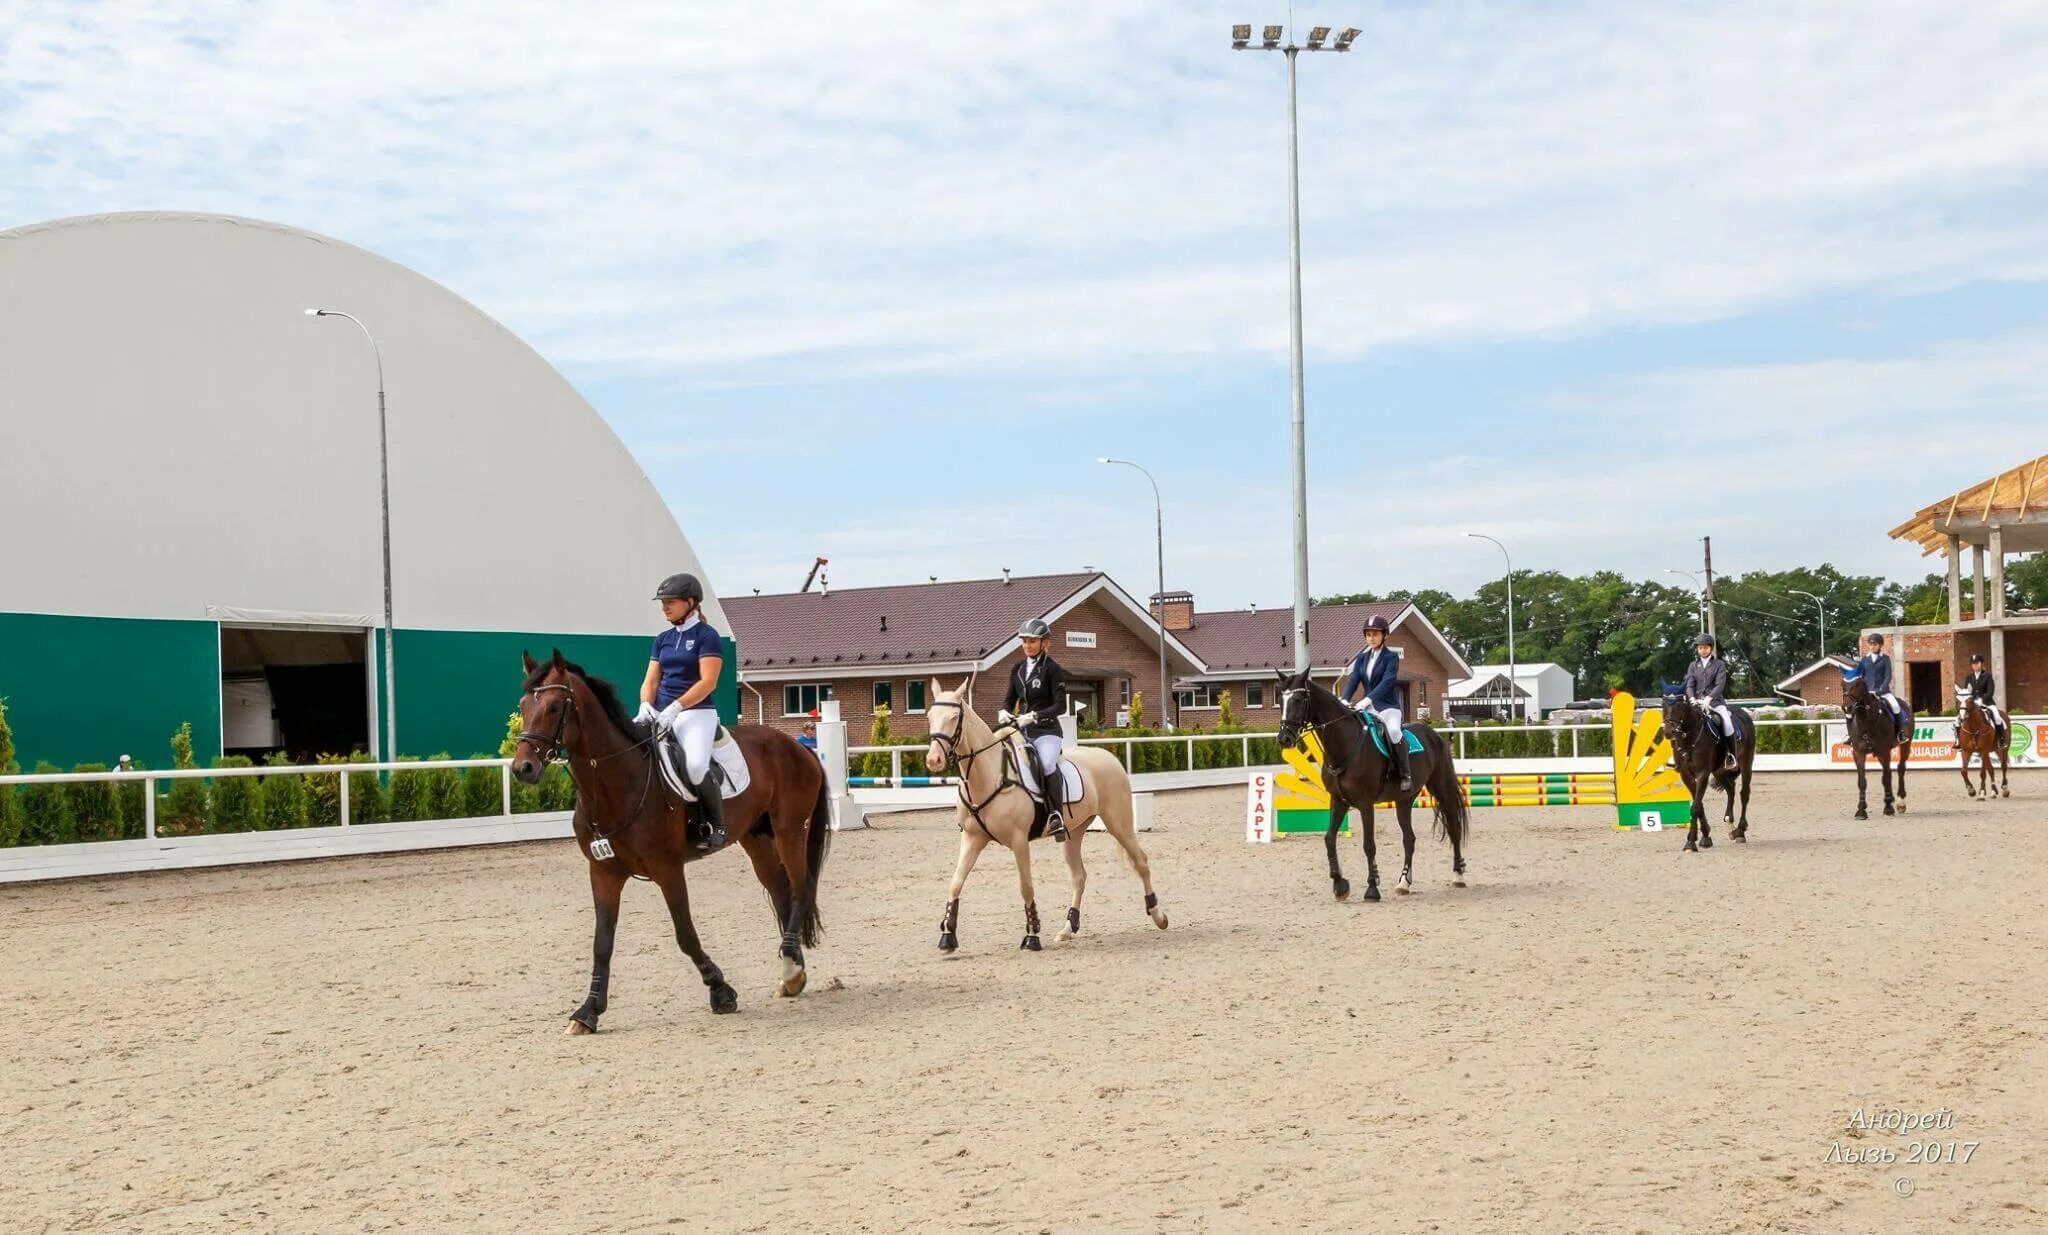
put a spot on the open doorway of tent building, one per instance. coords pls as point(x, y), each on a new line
point(298, 690)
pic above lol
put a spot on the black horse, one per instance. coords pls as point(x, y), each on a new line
point(1356, 774)
point(1696, 753)
point(1872, 731)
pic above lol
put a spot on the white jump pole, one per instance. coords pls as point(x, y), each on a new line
point(847, 814)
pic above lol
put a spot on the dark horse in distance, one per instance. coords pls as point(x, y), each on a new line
point(1872, 731)
point(1357, 774)
point(629, 824)
point(1696, 753)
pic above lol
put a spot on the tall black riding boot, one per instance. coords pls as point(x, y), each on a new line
point(1399, 748)
point(712, 803)
point(1054, 786)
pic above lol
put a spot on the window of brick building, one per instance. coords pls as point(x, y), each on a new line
point(1255, 695)
point(913, 696)
point(1203, 696)
point(884, 696)
point(801, 700)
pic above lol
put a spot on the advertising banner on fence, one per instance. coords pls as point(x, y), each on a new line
point(1934, 741)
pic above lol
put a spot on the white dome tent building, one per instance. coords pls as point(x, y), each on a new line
point(190, 511)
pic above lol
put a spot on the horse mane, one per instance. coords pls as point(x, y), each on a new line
point(607, 694)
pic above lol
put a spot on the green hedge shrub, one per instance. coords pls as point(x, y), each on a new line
point(95, 807)
point(237, 800)
point(284, 796)
point(557, 789)
point(10, 805)
point(408, 793)
point(46, 817)
point(323, 795)
point(134, 804)
point(444, 790)
point(184, 810)
point(482, 791)
point(367, 801)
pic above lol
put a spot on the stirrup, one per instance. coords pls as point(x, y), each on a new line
point(1056, 824)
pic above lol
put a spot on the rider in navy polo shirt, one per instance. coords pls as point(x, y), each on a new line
point(682, 673)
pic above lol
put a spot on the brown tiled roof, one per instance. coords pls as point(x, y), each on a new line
point(926, 622)
point(1233, 640)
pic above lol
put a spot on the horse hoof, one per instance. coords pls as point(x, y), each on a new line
point(1372, 891)
point(577, 1029)
point(1342, 887)
point(1402, 888)
point(793, 982)
point(724, 999)
point(1902, 808)
point(1692, 847)
point(1861, 813)
point(1706, 842)
point(1159, 918)
point(1030, 944)
point(1888, 810)
point(948, 941)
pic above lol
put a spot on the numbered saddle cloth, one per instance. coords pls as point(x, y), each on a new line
point(1027, 768)
point(728, 765)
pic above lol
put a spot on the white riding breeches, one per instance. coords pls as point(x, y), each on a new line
point(696, 729)
point(1896, 704)
point(1727, 718)
point(1996, 717)
point(1390, 717)
point(1047, 750)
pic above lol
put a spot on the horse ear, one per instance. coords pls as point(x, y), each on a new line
point(931, 689)
point(526, 659)
point(558, 662)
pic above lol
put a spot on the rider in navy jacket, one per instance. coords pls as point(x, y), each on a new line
point(1877, 677)
point(1706, 680)
point(1377, 669)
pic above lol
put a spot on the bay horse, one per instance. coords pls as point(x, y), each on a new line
point(1872, 731)
point(1978, 739)
point(1696, 753)
point(1356, 774)
point(995, 808)
point(629, 825)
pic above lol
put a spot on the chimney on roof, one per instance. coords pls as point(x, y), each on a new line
point(885, 623)
point(1174, 610)
point(1006, 576)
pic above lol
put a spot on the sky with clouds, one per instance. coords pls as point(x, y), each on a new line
point(879, 281)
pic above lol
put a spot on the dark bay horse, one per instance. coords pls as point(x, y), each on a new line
point(628, 824)
point(1978, 739)
point(1696, 753)
point(1872, 731)
point(1357, 774)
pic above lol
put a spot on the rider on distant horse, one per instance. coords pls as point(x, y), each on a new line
point(1985, 692)
point(681, 676)
point(1037, 696)
point(1877, 679)
point(1706, 684)
point(1376, 671)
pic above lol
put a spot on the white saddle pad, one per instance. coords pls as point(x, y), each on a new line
point(728, 761)
point(1028, 768)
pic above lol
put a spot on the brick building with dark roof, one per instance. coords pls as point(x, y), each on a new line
point(1241, 649)
point(880, 646)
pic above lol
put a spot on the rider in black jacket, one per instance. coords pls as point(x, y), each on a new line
point(1706, 683)
point(1036, 700)
point(1984, 691)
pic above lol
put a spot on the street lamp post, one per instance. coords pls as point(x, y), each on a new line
point(1823, 618)
point(1159, 544)
point(1512, 686)
point(1694, 575)
point(1241, 40)
point(384, 482)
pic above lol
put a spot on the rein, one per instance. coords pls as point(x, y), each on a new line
point(601, 842)
point(950, 743)
point(1319, 728)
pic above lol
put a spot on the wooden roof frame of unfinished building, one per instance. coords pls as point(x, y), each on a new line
point(1968, 514)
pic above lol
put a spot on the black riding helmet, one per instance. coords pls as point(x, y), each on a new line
point(1376, 622)
point(1703, 638)
point(680, 587)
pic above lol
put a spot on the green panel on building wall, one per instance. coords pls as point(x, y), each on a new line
point(456, 689)
point(86, 689)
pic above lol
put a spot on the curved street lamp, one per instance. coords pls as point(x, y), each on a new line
point(1159, 543)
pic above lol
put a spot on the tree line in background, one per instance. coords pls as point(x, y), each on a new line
point(1615, 633)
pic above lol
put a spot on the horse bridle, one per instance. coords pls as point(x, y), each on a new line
point(950, 743)
point(1317, 728)
point(556, 751)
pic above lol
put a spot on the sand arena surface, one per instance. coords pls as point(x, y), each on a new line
point(1599, 1035)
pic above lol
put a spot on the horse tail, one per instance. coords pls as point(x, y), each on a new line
point(1451, 812)
point(816, 844)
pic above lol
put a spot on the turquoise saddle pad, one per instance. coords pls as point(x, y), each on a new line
point(1379, 740)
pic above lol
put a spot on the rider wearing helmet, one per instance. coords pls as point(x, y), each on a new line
point(1706, 684)
point(1376, 671)
point(1037, 696)
point(1877, 679)
point(682, 674)
point(1985, 692)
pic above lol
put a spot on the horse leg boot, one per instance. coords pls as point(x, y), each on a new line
point(712, 804)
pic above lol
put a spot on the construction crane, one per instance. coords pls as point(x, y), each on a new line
point(811, 578)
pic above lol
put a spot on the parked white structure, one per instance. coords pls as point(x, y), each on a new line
point(1536, 690)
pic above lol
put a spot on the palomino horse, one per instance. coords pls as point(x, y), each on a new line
point(630, 826)
point(1697, 755)
point(1357, 774)
point(1872, 731)
point(994, 806)
point(1978, 739)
